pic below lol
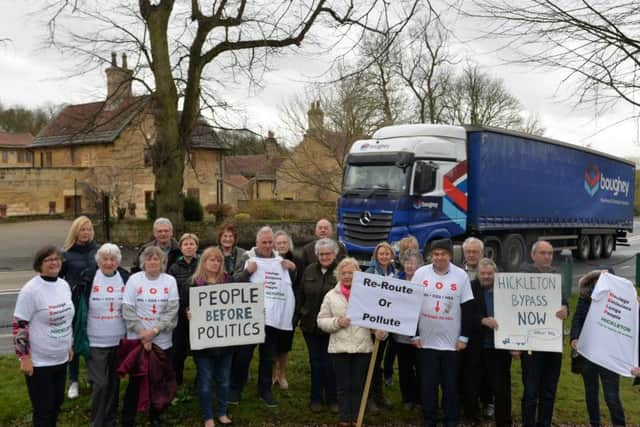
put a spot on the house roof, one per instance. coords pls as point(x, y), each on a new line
point(254, 165)
point(15, 140)
point(236, 180)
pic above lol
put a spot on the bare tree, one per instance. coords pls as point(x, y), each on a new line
point(595, 41)
point(176, 42)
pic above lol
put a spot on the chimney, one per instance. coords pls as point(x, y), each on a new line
point(271, 147)
point(316, 118)
point(118, 82)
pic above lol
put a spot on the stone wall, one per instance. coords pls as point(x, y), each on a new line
point(292, 209)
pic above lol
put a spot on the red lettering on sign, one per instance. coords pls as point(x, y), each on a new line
point(166, 291)
point(454, 287)
point(96, 289)
point(425, 283)
point(153, 291)
point(122, 289)
point(110, 289)
point(439, 285)
point(140, 290)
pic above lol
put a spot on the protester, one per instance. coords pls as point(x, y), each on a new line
point(182, 270)
point(79, 254)
point(541, 369)
point(102, 289)
point(212, 364)
point(324, 230)
point(163, 239)
point(472, 250)
point(407, 367)
point(318, 279)
point(284, 340)
point(255, 264)
point(150, 309)
point(349, 346)
point(227, 241)
point(382, 265)
point(440, 337)
point(43, 336)
point(592, 373)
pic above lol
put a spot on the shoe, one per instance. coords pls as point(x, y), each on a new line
point(384, 402)
point(344, 424)
point(228, 423)
point(234, 397)
point(284, 385)
point(74, 391)
point(333, 407)
point(316, 407)
point(269, 400)
point(408, 406)
point(489, 410)
point(388, 381)
point(372, 408)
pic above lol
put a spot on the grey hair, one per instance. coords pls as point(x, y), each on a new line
point(487, 262)
point(162, 221)
point(151, 251)
point(412, 253)
point(264, 230)
point(284, 233)
point(326, 243)
point(109, 249)
point(342, 264)
point(535, 245)
point(472, 241)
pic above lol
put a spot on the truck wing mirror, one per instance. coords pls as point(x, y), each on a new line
point(424, 179)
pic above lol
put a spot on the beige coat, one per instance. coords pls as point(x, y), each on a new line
point(352, 339)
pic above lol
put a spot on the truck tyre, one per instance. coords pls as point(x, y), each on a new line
point(584, 247)
point(596, 247)
point(608, 243)
point(513, 252)
point(492, 249)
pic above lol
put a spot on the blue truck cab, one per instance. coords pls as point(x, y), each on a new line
point(507, 188)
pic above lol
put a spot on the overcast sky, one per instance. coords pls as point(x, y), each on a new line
point(32, 76)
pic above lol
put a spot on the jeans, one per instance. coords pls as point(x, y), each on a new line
point(351, 373)
point(213, 368)
point(102, 366)
point(610, 388)
point(323, 377)
point(46, 391)
point(438, 368)
point(265, 365)
point(407, 372)
point(74, 369)
point(540, 374)
point(240, 363)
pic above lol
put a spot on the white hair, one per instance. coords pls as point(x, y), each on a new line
point(488, 262)
point(109, 250)
point(326, 243)
point(284, 233)
point(163, 221)
point(472, 241)
point(263, 230)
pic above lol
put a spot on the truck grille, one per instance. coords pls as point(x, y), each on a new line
point(366, 234)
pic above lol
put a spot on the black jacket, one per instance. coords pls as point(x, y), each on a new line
point(311, 291)
point(295, 275)
point(182, 271)
point(531, 268)
point(172, 256)
point(77, 259)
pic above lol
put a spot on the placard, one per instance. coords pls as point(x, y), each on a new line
point(525, 306)
point(226, 314)
point(384, 303)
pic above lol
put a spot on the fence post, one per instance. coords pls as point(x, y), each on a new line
point(567, 276)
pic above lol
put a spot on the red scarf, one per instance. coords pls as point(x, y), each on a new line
point(345, 291)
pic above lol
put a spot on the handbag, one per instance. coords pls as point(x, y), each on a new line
point(577, 362)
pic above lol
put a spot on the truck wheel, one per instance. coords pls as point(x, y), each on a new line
point(513, 252)
point(608, 244)
point(584, 247)
point(492, 249)
point(596, 246)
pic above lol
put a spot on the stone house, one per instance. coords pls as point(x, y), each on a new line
point(105, 147)
point(14, 150)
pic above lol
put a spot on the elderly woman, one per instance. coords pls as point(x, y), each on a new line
point(79, 254)
point(182, 270)
point(102, 289)
point(227, 241)
point(350, 346)
point(43, 335)
point(212, 364)
point(150, 310)
point(317, 280)
point(284, 339)
point(411, 260)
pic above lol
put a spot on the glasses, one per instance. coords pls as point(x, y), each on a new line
point(52, 259)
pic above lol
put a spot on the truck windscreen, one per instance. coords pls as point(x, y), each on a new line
point(390, 177)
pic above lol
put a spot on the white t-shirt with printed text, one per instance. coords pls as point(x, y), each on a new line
point(279, 301)
point(150, 298)
point(48, 308)
point(105, 325)
point(440, 315)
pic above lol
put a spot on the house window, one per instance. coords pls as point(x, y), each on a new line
point(148, 197)
point(24, 156)
point(48, 159)
point(194, 193)
point(5, 156)
point(148, 158)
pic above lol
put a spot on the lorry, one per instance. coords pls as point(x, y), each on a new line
point(507, 188)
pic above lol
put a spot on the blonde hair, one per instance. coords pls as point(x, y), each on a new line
point(74, 230)
point(150, 252)
point(200, 274)
point(407, 243)
point(342, 264)
point(380, 246)
point(188, 236)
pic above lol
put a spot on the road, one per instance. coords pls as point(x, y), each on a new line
point(15, 263)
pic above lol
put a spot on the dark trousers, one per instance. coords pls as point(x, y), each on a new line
point(389, 357)
point(438, 368)
point(408, 372)
point(323, 377)
point(46, 391)
point(102, 366)
point(498, 369)
point(540, 374)
point(265, 366)
point(240, 363)
point(180, 348)
point(471, 376)
point(74, 369)
point(610, 388)
point(130, 401)
point(351, 373)
point(377, 393)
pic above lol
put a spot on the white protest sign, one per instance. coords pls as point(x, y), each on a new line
point(279, 301)
point(609, 336)
point(525, 306)
point(384, 303)
point(226, 314)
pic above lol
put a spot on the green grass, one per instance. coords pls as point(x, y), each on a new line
point(293, 405)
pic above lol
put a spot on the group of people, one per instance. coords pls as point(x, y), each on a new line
point(82, 302)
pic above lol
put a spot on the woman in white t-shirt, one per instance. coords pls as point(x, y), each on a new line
point(43, 335)
point(150, 310)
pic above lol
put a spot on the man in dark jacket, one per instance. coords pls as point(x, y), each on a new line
point(541, 369)
point(162, 238)
point(324, 230)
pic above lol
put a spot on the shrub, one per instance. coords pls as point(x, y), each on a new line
point(152, 210)
point(219, 211)
point(192, 209)
point(242, 216)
